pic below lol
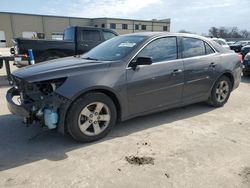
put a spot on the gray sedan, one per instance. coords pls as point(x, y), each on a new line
point(124, 77)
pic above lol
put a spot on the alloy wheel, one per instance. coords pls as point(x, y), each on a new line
point(94, 118)
point(222, 91)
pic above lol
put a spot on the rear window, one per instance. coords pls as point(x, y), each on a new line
point(193, 47)
point(90, 35)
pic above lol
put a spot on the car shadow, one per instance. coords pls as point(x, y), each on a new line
point(245, 79)
point(4, 82)
point(22, 145)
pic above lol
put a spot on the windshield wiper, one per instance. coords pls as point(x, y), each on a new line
point(89, 58)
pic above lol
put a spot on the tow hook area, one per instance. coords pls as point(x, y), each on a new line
point(50, 118)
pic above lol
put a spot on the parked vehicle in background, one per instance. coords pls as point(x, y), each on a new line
point(77, 40)
point(237, 46)
point(246, 65)
point(124, 77)
point(1, 62)
point(245, 50)
point(230, 42)
point(221, 42)
point(2, 39)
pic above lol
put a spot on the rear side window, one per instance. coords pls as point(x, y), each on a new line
point(209, 50)
point(163, 49)
point(90, 35)
point(193, 47)
point(108, 35)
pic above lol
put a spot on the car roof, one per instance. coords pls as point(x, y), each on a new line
point(159, 34)
point(152, 35)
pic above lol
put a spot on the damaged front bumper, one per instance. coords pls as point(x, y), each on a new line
point(34, 105)
point(12, 106)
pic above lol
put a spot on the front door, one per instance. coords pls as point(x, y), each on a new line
point(158, 85)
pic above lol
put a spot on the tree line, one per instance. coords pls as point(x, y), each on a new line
point(225, 32)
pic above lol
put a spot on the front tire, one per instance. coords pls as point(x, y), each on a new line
point(91, 117)
point(220, 92)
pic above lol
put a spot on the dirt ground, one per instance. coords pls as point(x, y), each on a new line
point(194, 146)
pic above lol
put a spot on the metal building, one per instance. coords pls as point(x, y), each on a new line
point(13, 25)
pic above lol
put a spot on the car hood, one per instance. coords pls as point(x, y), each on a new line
point(58, 68)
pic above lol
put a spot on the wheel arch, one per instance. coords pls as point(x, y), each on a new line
point(230, 76)
point(227, 74)
point(107, 91)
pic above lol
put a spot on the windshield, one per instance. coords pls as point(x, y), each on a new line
point(115, 48)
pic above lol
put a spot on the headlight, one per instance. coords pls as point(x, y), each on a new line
point(50, 86)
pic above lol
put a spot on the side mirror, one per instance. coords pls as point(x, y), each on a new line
point(141, 61)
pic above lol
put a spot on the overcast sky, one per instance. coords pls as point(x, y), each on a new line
point(192, 15)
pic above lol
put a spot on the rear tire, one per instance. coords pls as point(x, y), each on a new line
point(91, 117)
point(220, 92)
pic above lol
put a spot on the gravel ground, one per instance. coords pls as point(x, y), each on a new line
point(194, 146)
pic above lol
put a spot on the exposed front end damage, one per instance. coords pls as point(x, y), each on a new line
point(38, 101)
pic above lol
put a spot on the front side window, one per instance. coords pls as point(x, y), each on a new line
point(69, 34)
point(163, 49)
point(108, 35)
point(193, 47)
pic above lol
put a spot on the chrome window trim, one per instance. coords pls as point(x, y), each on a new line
point(215, 51)
point(181, 58)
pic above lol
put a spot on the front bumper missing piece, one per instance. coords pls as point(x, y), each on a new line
point(25, 110)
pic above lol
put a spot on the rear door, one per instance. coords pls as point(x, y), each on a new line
point(200, 62)
point(158, 85)
point(88, 39)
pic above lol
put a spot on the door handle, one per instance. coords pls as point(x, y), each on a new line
point(212, 65)
point(177, 71)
